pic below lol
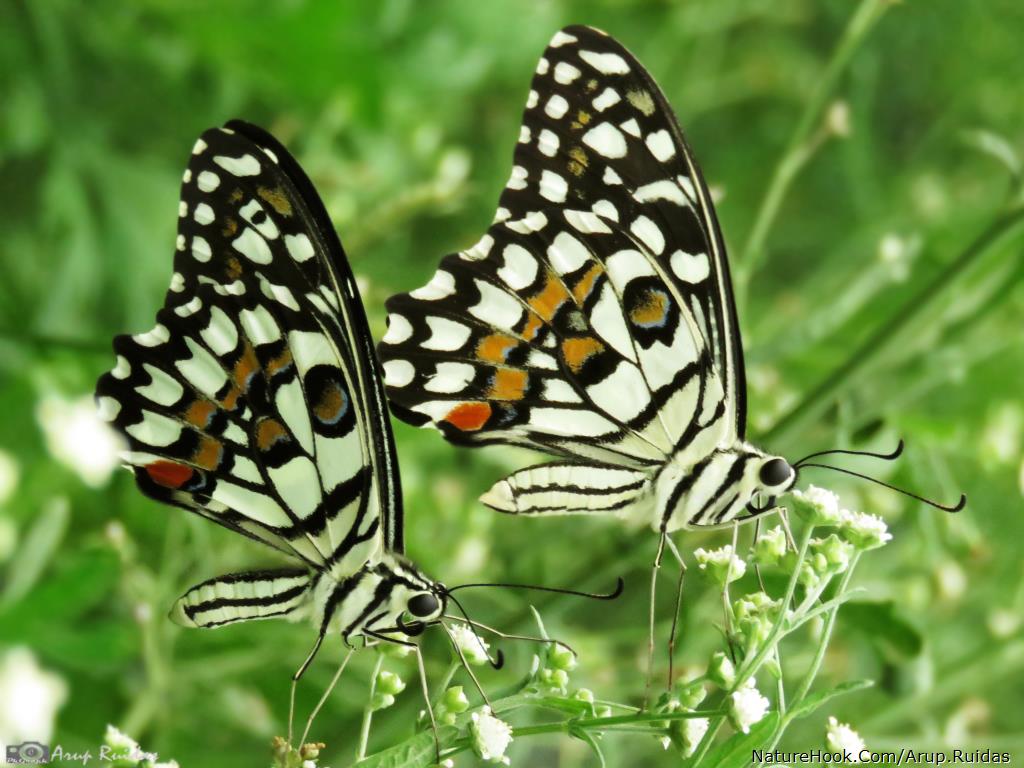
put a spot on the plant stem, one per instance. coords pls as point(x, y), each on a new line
point(364, 729)
point(888, 335)
point(802, 145)
point(749, 668)
point(819, 656)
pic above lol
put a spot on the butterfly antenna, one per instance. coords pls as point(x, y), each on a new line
point(619, 586)
point(884, 456)
point(496, 663)
point(945, 508)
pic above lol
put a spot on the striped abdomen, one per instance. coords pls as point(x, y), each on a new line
point(709, 492)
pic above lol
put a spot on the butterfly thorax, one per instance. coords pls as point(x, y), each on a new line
point(706, 491)
point(371, 599)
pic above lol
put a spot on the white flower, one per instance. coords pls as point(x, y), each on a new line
point(119, 740)
point(473, 647)
point(29, 698)
point(837, 119)
point(692, 732)
point(840, 737)
point(9, 472)
point(309, 764)
point(747, 706)
point(819, 505)
point(491, 736)
point(720, 563)
point(863, 530)
point(78, 438)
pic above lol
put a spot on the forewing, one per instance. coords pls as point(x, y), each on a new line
point(250, 402)
point(598, 134)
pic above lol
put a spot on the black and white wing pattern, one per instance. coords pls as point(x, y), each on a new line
point(255, 401)
point(595, 319)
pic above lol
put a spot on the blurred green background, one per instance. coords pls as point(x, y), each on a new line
point(901, 141)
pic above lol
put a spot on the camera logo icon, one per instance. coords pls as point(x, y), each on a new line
point(28, 753)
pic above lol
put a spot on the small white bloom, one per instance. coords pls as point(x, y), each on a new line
point(309, 764)
point(820, 505)
point(473, 647)
point(29, 698)
point(78, 438)
point(770, 546)
point(837, 119)
point(119, 740)
point(747, 706)
point(863, 530)
point(840, 737)
point(723, 565)
point(491, 736)
point(692, 732)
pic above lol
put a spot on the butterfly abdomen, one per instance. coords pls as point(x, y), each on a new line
point(711, 491)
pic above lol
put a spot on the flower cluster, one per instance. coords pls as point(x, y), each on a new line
point(721, 564)
point(491, 736)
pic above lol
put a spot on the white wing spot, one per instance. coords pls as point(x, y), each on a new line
point(246, 165)
point(179, 243)
point(609, 98)
point(660, 190)
point(556, 107)
point(606, 208)
point(518, 178)
point(299, 247)
point(122, 369)
point(208, 181)
point(542, 66)
point(398, 373)
point(495, 307)
point(531, 222)
point(189, 308)
point(606, 63)
point(631, 127)
point(547, 143)
point(690, 267)
point(198, 147)
point(399, 330)
point(253, 247)
point(177, 282)
point(531, 100)
point(442, 284)
point(182, 209)
point(586, 222)
point(201, 249)
point(520, 268)
point(524, 134)
point(152, 338)
point(661, 145)
point(450, 377)
point(565, 72)
point(203, 214)
point(567, 254)
point(560, 39)
point(445, 335)
point(607, 140)
point(480, 250)
point(553, 187)
point(611, 177)
point(649, 234)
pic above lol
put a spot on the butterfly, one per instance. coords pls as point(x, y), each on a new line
point(595, 319)
point(256, 402)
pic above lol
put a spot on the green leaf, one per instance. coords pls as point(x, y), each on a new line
point(417, 752)
point(735, 751)
point(811, 703)
point(36, 550)
point(896, 638)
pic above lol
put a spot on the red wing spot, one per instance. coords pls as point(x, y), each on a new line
point(169, 474)
point(469, 417)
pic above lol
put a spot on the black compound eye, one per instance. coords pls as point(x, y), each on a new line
point(423, 604)
point(775, 472)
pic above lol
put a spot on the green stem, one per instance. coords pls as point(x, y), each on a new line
point(802, 145)
point(889, 335)
point(749, 668)
point(364, 729)
point(819, 657)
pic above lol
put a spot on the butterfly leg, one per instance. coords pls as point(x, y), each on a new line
point(465, 664)
point(650, 618)
point(295, 681)
point(423, 684)
point(319, 704)
point(675, 615)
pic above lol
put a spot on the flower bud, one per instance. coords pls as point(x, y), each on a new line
point(454, 699)
point(721, 671)
point(561, 657)
point(721, 564)
point(770, 547)
point(381, 701)
point(389, 683)
point(817, 506)
point(584, 694)
point(864, 531)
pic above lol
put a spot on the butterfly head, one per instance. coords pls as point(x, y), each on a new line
point(772, 477)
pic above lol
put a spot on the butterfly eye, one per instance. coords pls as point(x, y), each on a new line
point(775, 472)
point(423, 604)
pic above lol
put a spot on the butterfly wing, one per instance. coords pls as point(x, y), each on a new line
point(595, 318)
point(255, 400)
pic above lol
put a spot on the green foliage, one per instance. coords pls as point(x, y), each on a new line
point(867, 157)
